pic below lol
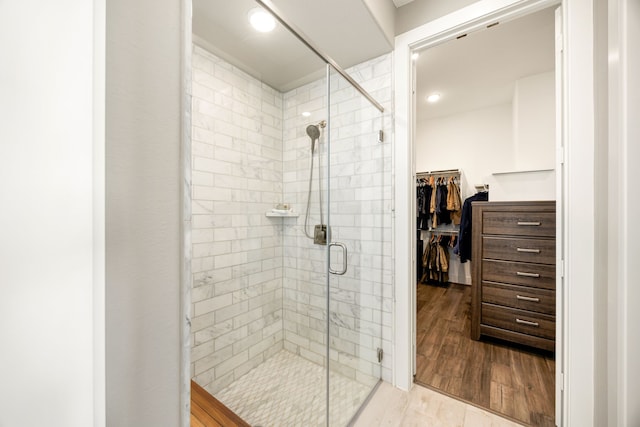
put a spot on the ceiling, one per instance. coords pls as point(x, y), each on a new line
point(481, 69)
point(472, 72)
point(400, 3)
point(278, 58)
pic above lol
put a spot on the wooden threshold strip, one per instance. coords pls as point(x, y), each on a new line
point(207, 411)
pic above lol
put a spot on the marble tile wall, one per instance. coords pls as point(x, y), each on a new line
point(259, 283)
point(360, 209)
point(237, 252)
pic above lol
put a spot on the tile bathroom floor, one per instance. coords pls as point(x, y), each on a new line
point(421, 406)
point(287, 390)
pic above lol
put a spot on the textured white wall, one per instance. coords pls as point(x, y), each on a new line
point(46, 221)
point(143, 212)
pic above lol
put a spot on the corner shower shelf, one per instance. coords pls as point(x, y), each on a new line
point(282, 215)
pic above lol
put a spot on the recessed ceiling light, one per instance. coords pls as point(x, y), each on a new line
point(306, 113)
point(434, 97)
point(261, 20)
point(415, 55)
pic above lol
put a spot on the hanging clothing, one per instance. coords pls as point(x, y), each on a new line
point(454, 202)
point(464, 241)
point(423, 200)
point(443, 215)
point(435, 261)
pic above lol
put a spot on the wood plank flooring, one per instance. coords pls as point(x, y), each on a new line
point(510, 380)
point(207, 411)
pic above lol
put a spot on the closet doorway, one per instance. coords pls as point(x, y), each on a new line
point(484, 107)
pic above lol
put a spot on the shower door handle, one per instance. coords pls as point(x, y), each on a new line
point(344, 258)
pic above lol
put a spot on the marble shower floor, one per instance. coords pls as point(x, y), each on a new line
point(287, 390)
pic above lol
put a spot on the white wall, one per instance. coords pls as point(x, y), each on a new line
point(631, 296)
point(477, 142)
point(47, 247)
point(620, 340)
point(418, 12)
point(534, 124)
point(515, 138)
point(143, 212)
point(532, 175)
point(384, 12)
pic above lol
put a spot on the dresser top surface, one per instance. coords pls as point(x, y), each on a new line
point(542, 205)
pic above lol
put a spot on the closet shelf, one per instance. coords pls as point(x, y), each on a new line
point(522, 171)
point(282, 215)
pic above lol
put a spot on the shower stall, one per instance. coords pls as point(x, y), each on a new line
point(291, 233)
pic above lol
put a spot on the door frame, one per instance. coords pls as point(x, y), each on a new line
point(575, 361)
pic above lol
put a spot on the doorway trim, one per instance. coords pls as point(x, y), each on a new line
point(576, 235)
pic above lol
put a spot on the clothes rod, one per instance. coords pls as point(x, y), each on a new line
point(441, 172)
point(436, 231)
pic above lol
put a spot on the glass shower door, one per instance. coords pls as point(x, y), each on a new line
point(359, 261)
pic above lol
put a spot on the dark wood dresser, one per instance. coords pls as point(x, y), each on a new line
point(514, 272)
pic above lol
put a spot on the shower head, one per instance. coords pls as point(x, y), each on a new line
point(314, 133)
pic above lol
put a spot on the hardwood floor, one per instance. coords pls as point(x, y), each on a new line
point(207, 411)
point(510, 380)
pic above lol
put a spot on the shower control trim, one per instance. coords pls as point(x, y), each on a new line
point(320, 234)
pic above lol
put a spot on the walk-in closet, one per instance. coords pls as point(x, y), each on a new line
point(485, 218)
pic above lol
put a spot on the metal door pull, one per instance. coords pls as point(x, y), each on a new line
point(527, 322)
point(344, 258)
point(528, 251)
point(524, 298)
point(529, 223)
point(522, 273)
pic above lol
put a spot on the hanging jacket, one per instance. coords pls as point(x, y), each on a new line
point(464, 240)
point(444, 216)
point(454, 202)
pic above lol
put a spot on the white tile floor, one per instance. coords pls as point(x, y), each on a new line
point(421, 406)
point(287, 390)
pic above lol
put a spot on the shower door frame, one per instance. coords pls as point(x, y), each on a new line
point(333, 275)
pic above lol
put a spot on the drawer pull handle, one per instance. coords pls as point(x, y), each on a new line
point(524, 298)
point(527, 322)
point(530, 223)
point(522, 273)
point(528, 251)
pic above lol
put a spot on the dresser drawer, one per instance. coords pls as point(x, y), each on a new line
point(522, 297)
point(519, 273)
point(541, 251)
point(526, 322)
point(519, 223)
